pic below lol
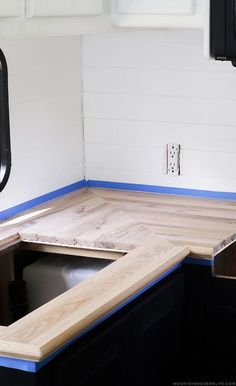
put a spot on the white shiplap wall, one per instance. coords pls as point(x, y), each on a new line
point(143, 89)
point(45, 90)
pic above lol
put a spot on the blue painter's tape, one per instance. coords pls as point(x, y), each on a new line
point(112, 185)
point(30, 366)
point(33, 367)
point(161, 189)
point(19, 364)
point(41, 200)
point(198, 261)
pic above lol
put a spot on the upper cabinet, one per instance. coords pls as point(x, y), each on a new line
point(10, 8)
point(53, 17)
point(158, 13)
point(77, 17)
point(55, 8)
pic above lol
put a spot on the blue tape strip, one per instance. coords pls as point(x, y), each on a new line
point(33, 367)
point(161, 189)
point(112, 185)
point(41, 200)
point(18, 364)
point(198, 261)
point(30, 366)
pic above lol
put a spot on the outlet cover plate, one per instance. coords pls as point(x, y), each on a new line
point(173, 159)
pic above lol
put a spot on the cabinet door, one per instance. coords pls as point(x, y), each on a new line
point(210, 343)
point(157, 331)
point(44, 8)
point(197, 280)
point(220, 314)
point(10, 8)
point(11, 377)
point(158, 13)
point(157, 7)
point(99, 358)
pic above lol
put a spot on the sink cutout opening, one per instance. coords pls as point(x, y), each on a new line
point(30, 278)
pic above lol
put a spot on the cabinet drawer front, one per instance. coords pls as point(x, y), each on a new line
point(44, 8)
point(156, 7)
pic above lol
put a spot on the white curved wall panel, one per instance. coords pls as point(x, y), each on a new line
point(45, 91)
point(10, 8)
point(53, 8)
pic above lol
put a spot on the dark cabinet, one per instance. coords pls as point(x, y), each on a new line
point(210, 320)
point(180, 330)
point(97, 359)
point(197, 279)
point(220, 314)
point(12, 377)
point(157, 322)
point(138, 345)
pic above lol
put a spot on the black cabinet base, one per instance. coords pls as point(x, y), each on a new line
point(137, 346)
point(210, 321)
point(181, 330)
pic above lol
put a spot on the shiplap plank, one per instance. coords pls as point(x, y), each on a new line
point(155, 49)
point(159, 82)
point(212, 138)
point(160, 108)
point(111, 157)
point(150, 160)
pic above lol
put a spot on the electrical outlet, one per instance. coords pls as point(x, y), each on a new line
point(173, 159)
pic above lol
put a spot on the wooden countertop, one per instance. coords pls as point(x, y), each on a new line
point(157, 232)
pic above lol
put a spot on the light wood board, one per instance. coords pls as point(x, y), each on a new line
point(50, 326)
point(157, 231)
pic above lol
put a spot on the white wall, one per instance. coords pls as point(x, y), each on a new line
point(45, 116)
point(144, 89)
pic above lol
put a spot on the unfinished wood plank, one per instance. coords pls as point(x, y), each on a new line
point(14, 224)
point(102, 227)
point(154, 229)
point(50, 326)
point(147, 198)
point(209, 219)
point(73, 251)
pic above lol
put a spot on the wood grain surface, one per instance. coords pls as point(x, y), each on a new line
point(156, 232)
point(120, 220)
point(50, 326)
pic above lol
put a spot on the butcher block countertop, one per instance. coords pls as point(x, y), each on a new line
point(153, 232)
